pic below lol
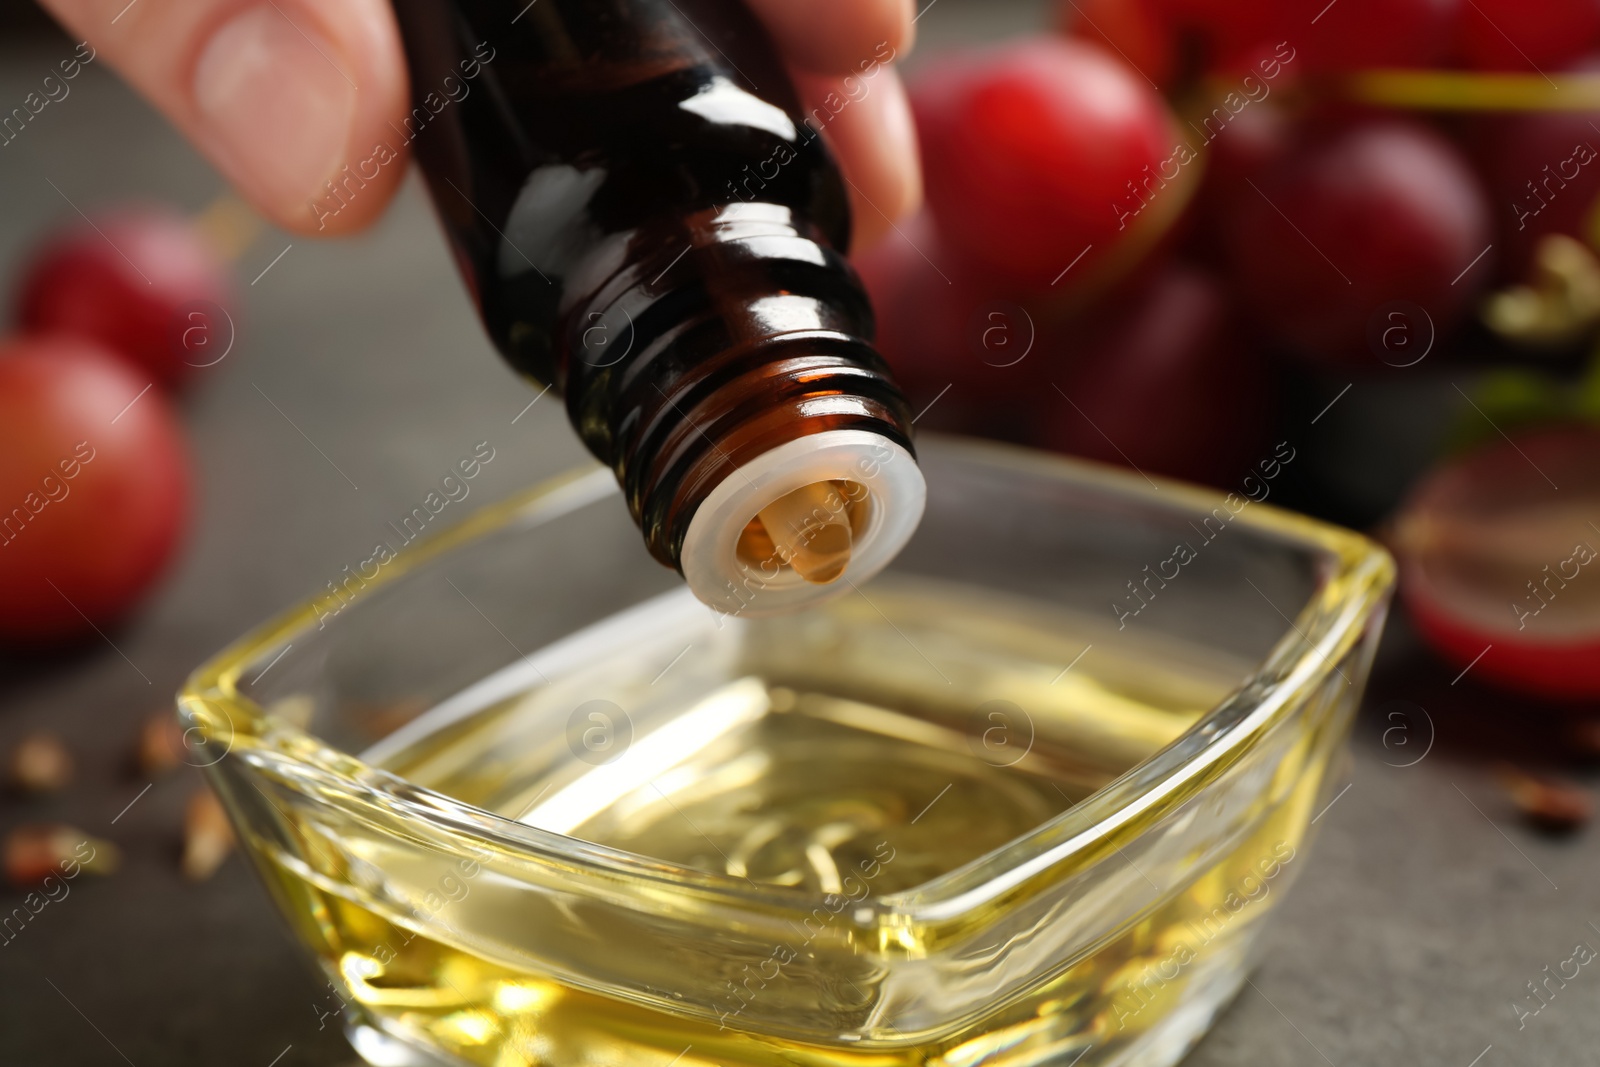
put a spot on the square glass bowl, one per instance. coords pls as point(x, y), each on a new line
point(1028, 796)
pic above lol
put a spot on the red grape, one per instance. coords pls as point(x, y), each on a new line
point(1500, 570)
point(1362, 217)
point(1253, 141)
point(1136, 30)
point(1361, 34)
point(1159, 381)
point(1542, 172)
point(1044, 150)
point(1514, 35)
point(1323, 38)
point(137, 285)
point(952, 338)
point(94, 487)
point(1233, 31)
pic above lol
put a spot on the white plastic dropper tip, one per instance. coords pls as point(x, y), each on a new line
point(834, 509)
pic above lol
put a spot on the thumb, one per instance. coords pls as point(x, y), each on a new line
point(281, 95)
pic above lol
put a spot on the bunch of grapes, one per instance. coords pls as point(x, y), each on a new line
point(1139, 228)
point(113, 316)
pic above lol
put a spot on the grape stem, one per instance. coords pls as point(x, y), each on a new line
point(1448, 90)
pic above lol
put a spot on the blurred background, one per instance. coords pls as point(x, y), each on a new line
point(1188, 237)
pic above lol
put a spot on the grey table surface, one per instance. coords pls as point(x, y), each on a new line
point(1422, 914)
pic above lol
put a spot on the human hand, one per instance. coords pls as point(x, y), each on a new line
point(281, 95)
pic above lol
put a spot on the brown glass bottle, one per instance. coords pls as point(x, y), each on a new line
point(649, 227)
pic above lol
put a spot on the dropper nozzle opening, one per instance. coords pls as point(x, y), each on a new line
point(810, 531)
point(813, 532)
point(803, 522)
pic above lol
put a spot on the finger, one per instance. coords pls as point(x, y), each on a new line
point(838, 36)
point(868, 123)
point(281, 96)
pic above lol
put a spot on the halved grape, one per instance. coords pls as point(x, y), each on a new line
point(1500, 562)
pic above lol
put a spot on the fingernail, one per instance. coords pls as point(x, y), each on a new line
point(277, 109)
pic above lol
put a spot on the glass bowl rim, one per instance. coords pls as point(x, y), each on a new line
point(1308, 652)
